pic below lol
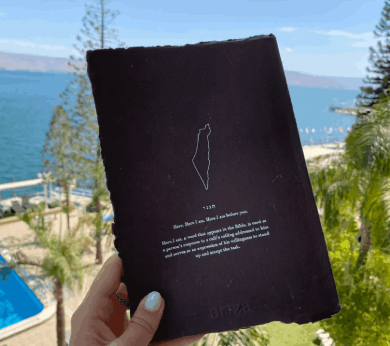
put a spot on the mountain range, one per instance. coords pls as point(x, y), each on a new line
point(14, 61)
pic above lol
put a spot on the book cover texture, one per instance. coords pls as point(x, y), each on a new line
point(212, 200)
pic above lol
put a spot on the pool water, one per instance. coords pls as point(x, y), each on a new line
point(17, 301)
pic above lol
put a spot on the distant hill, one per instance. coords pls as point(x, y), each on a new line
point(13, 61)
point(350, 82)
point(303, 79)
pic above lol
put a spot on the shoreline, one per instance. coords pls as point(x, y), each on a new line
point(348, 110)
point(312, 151)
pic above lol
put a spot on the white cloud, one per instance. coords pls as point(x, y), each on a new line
point(363, 40)
point(34, 48)
point(33, 45)
point(288, 29)
point(3, 14)
point(287, 49)
point(343, 64)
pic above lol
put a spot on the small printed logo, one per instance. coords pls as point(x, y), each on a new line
point(230, 310)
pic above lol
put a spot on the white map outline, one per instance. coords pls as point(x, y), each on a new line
point(208, 155)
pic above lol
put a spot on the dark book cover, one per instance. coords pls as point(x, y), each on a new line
point(213, 205)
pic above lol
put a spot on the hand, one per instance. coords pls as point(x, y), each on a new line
point(101, 319)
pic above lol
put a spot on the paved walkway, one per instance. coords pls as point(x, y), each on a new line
point(19, 237)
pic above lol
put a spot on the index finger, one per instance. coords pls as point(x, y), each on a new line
point(107, 280)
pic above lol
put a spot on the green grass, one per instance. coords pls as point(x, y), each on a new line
point(293, 334)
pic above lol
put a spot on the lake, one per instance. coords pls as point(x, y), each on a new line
point(28, 98)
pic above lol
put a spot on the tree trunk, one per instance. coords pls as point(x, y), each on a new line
point(60, 215)
point(59, 295)
point(67, 204)
point(364, 245)
point(99, 257)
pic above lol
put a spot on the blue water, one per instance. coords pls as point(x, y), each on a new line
point(311, 111)
point(17, 301)
point(28, 98)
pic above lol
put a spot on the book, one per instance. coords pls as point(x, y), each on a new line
point(213, 205)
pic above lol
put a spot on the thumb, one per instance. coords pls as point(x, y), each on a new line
point(144, 322)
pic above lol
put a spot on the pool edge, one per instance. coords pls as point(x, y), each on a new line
point(49, 308)
point(28, 323)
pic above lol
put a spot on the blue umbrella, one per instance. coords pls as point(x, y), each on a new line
point(108, 217)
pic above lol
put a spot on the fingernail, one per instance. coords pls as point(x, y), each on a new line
point(152, 301)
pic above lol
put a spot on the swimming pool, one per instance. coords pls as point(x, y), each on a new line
point(17, 301)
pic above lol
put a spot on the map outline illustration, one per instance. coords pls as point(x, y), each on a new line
point(208, 155)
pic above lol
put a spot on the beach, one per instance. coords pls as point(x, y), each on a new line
point(312, 151)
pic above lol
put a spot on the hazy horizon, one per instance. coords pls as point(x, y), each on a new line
point(51, 57)
point(329, 38)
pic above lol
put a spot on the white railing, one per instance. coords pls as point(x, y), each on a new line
point(19, 184)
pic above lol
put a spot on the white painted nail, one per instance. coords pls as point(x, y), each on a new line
point(152, 301)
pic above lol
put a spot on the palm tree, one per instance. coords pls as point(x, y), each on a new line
point(99, 227)
point(63, 264)
point(94, 217)
point(337, 186)
point(100, 196)
point(354, 188)
point(359, 178)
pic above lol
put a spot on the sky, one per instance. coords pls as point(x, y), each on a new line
point(324, 38)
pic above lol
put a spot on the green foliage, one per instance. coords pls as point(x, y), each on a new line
point(38, 224)
point(317, 341)
point(72, 151)
point(87, 158)
point(291, 334)
point(253, 336)
point(379, 61)
point(365, 315)
point(364, 300)
point(58, 150)
point(87, 161)
point(72, 148)
point(367, 90)
point(64, 260)
point(85, 132)
point(335, 183)
point(99, 227)
point(385, 81)
point(354, 191)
